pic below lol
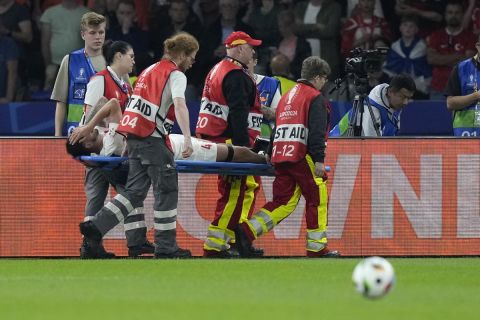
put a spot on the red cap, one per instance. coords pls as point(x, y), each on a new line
point(239, 37)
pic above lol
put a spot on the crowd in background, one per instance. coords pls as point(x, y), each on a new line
point(426, 37)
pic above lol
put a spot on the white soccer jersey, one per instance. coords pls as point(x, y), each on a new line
point(113, 142)
point(202, 150)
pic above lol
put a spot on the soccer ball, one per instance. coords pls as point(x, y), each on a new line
point(373, 277)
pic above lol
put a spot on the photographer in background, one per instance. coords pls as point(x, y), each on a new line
point(385, 102)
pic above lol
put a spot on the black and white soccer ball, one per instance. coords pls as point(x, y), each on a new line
point(373, 277)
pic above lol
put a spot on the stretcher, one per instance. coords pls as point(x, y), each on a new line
point(186, 166)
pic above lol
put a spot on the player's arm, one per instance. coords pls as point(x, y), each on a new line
point(110, 110)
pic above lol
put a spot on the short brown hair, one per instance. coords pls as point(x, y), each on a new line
point(180, 43)
point(91, 19)
point(314, 66)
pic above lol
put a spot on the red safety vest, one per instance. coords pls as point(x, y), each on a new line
point(213, 116)
point(291, 134)
point(112, 89)
point(140, 115)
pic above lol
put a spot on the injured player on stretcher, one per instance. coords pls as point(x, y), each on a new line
point(92, 139)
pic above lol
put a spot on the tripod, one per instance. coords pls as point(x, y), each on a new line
point(355, 121)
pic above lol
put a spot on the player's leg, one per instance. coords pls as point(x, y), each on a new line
point(237, 154)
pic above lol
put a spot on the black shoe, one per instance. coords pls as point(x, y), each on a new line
point(90, 231)
point(256, 252)
point(243, 243)
point(212, 254)
point(179, 254)
point(146, 248)
point(260, 145)
point(94, 250)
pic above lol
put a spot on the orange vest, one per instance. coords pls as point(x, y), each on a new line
point(291, 134)
point(213, 116)
point(144, 106)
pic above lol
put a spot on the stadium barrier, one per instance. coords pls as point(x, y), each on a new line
point(387, 197)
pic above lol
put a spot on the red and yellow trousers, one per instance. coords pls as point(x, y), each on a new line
point(236, 204)
point(291, 181)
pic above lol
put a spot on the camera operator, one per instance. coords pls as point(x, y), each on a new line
point(386, 101)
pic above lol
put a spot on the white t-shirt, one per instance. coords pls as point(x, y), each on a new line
point(174, 88)
point(202, 150)
point(310, 17)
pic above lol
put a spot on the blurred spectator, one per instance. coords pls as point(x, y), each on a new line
point(245, 9)
point(352, 8)
point(212, 47)
point(365, 30)
point(383, 8)
point(471, 19)
point(15, 23)
point(295, 48)
point(127, 30)
point(8, 69)
point(263, 20)
point(100, 7)
point(447, 46)
point(286, 4)
point(463, 96)
point(40, 6)
point(319, 22)
point(408, 55)
point(429, 13)
point(207, 10)
point(60, 29)
point(181, 19)
point(280, 66)
point(108, 8)
point(158, 15)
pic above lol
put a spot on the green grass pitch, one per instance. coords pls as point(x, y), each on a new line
point(269, 289)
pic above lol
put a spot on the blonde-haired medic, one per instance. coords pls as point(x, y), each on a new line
point(159, 89)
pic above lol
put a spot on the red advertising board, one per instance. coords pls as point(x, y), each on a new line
point(387, 197)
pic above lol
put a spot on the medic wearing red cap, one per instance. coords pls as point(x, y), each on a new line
point(230, 112)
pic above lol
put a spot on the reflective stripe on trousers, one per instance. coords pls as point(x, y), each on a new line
point(218, 239)
point(165, 220)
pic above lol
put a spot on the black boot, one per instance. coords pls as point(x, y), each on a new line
point(179, 254)
point(146, 248)
point(244, 245)
point(95, 251)
point(92, 247)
